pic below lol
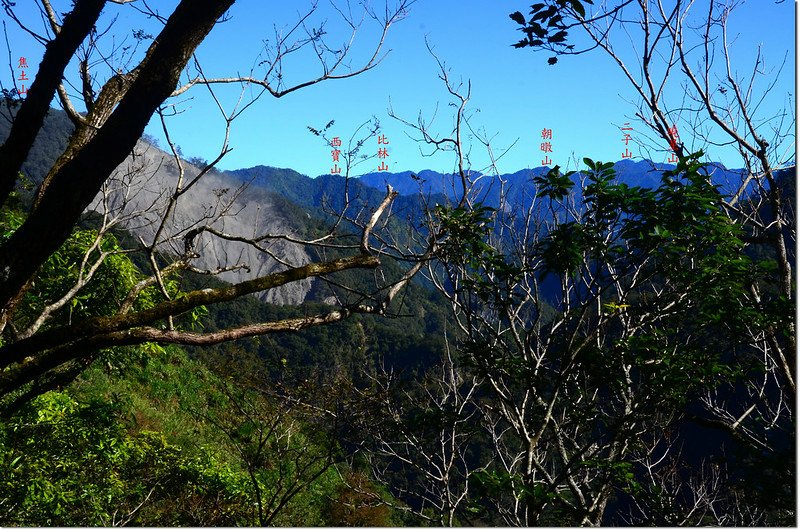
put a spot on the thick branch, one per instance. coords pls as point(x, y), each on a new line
point(98, 326)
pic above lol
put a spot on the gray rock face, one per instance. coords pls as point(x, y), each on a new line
point(140, 194)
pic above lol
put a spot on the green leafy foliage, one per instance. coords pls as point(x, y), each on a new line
point(650, 307)
point(156, 435)
point(547, 28)
point(554, 185)
point(677, 234)
point(488, 273)
point(72, 264)
point(162, 443)
point(67, 463)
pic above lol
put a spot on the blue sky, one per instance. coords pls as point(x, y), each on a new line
point(515, 94)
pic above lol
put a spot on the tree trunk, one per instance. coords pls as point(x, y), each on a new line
point(33, 111)
point(79, 179)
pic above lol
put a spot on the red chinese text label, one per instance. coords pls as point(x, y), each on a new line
point(546, 147)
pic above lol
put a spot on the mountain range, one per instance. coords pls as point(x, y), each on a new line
point(514, 187)
point(264, 199)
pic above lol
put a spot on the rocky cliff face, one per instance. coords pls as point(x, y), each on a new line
point(139, 195)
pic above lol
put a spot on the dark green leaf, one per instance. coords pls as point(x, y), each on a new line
point(578, 7)
point(538, 30)
point(517, 17)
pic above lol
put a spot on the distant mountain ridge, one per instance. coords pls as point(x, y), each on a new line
point(435, 186)
point(643, 173)
point(285, 201)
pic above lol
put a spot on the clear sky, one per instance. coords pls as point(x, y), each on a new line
point(584, 99)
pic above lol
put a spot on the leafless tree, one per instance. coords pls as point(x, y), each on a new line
point(671, 493)
point(121, 88)
point(419, 440)
point(283, 448)
point(680, 44)
point(684, 64)
point(583, 335)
